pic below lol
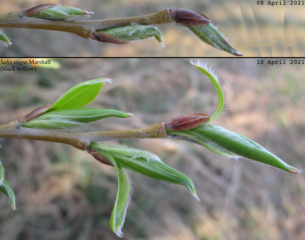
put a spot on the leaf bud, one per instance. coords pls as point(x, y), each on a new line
point(210, 35)
point(54, 12)
point(187, 122)
point(122, 35)
point(188, 17)
point(36, 112)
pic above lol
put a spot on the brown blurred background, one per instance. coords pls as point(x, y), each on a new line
point(256, 30)
point(63, 193)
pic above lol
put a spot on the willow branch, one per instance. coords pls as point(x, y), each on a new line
point(79, 140)
point(81, 28)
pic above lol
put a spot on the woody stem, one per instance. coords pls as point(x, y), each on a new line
point(79, 140)
point(81, 28)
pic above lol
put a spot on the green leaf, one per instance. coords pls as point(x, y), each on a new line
point(4, 39)
point(53, 124)
point(230, 144)
point(213, 37)
point(145, 163)
point(122, 199)
point(59, 13)
point(6, 189)
point(129, 33)
point(1, 174)
point(214, 79)
point(72, 118)
point(80, 95)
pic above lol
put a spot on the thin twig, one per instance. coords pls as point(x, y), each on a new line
point(81, 28)
point(79, 140)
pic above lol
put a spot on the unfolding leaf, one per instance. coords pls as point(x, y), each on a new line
point(121, 35)
point(80, 95)
point(210, 35)
point(230, 144)
point(72, 118)
point(145, 163)
point(4, 39)
point(122, 199)
point(214, 79)
point(6, 189)
point(53, 12)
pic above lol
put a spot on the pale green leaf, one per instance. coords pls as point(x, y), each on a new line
point(72, 118)
point(6, 189)
point(60, 13)
point(122, 199)
point(4, 39)
point(145, 163)
point(230, 144)
point(214, 79)
point(53, 124)
point(133, 33)
point(213, 37)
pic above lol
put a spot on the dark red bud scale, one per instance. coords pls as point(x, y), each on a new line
point(103, 37)
point(189, 17)
point(187, 122)
point(37, 112)
point(34, 10)
point(99, 157)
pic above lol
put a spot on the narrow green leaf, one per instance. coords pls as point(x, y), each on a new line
point(6, 189)
point(53, 124)
point(230, 144)
point(145, 163)
point(122, 199)
point(1, 174)
point(203, 67)
point(80, 95)
point(126, 34)
point(4, 39)
point(56, 12)
point(72, 118)
point(210, 35)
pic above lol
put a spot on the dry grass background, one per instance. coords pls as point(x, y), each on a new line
point(63, 193)
point(252, 29)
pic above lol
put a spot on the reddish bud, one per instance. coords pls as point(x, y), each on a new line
point(103, 37)
point(99, 157)
point(34, 10)
point(189, 17)
point(187, 122)
point(37, 112)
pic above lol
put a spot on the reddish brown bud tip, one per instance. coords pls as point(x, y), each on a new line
point(32, 11)
point(103, 37)
point(37, 112)
point(99, 157)
point(189, 17)
point(187, 122)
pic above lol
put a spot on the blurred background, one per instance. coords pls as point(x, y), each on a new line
point(63, 193)
point(256, 30)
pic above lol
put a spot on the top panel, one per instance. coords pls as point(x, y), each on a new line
point(255, 28)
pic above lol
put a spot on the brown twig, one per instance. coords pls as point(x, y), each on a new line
point(81, 28)
point(79, 140)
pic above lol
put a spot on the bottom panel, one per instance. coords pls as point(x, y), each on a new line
point(62, 192)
